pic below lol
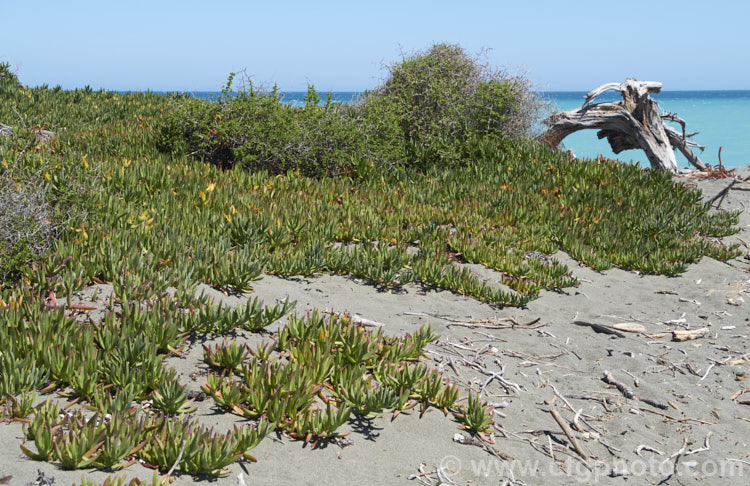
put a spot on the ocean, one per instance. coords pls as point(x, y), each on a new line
point(721, 117)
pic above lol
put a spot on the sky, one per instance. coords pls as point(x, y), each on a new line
point(190, 45)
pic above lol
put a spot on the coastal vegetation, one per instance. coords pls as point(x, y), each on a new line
point(432, 171)
point(417, 118)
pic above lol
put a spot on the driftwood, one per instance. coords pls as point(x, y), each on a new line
point(41, 135)
point(633, 123)
point(568, 433)
point(5, 130)
point(688, 334)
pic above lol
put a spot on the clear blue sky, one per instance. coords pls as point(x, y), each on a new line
point(342, 45)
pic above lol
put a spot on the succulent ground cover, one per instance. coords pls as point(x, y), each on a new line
point(127, 198)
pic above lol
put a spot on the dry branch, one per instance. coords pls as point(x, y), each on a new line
point(721, 194)
point(627, 392)
point(633, 123)
point(492, 323)
point(568, 433)
point(601, 328)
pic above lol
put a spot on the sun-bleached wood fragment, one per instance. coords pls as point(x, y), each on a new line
point(680, 335)
point(633, 123)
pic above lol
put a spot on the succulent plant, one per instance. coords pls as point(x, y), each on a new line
point(476, 416)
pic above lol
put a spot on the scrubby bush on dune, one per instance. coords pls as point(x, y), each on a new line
point(421, 115)
point(254, 128)
point(433, 101)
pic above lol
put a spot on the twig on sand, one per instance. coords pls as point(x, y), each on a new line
point(604, 401)
point(684, 452)
point(738, 393)
point(738, 460)
point(676, 456)
point(493, 323)
point(627, 392)
point(534, 359)
point(498, 323)
point(565, 400)
point(459, 346)
point(549, 446)
point(466, 440)
point(537, 446)
point(490, 336)
point(577, 412)
point(706, 445)
point(680, 335)
point(721, 194)
point(493, 375)
point(643, 447)
point(600, 328)
point(707, 371)
point(450, 362)
point(425, 478)
point(689, 301)
point(568, 433)
point(653, 403)
point(599, 434)
point(675, 419)
point(667, 292)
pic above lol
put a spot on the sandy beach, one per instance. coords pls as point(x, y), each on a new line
point(677, 417)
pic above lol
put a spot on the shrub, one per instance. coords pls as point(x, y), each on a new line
point(8, 79)
point(423, 113)
point(435, 100)
point(255, 129)
point(26, 227)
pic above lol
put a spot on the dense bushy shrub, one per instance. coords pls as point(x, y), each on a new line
point(256, 129)
point(422, 114)
point(433, 101)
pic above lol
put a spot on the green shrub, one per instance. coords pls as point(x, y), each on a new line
point(433, 101)
point(257, 130)
point(8, 79)
point(423, 113)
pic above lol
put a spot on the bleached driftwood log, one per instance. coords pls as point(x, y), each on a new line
point(41, 135)
point(633, 123)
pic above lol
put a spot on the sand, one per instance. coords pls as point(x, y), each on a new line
point(625, 440)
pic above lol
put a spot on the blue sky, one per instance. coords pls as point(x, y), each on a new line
point(342, 46)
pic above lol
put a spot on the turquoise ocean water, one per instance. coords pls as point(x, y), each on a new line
point(721, 117)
